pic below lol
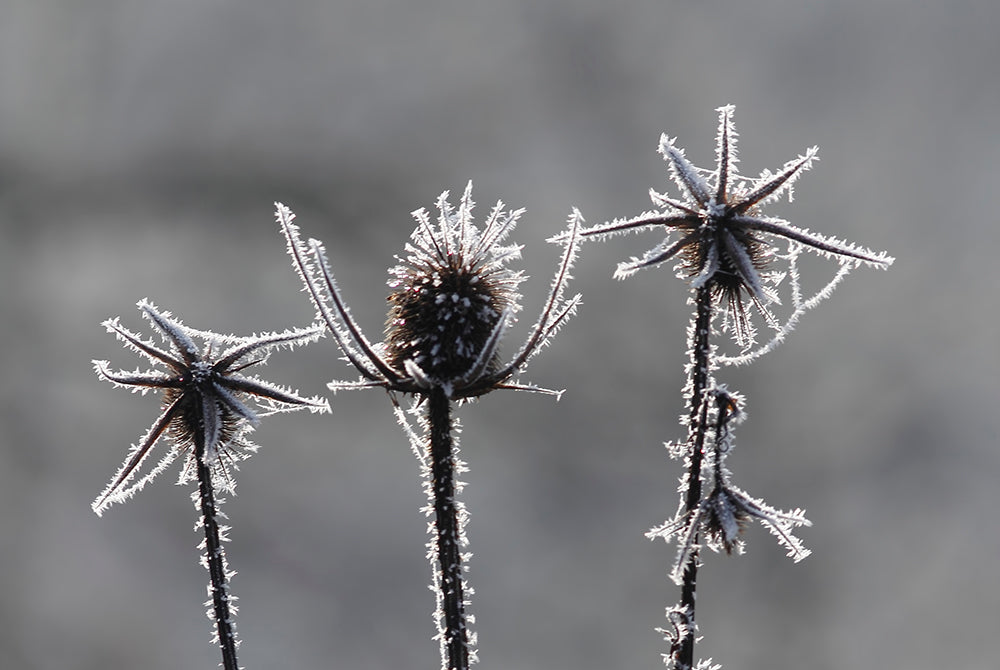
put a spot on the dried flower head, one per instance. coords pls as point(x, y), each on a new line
point(452, 298)
point(205, 398)
point(451, 293)
point(725, 240)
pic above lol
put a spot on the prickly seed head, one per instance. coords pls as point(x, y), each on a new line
point(451, 293)
point(441, 315)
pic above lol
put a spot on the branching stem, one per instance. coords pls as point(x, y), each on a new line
point(449, 537)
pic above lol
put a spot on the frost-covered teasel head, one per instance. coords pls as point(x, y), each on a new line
point(719, 233)
point(452, 297)
point(452, 292)
point(207, 398)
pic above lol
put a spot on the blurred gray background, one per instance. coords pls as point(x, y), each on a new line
point(142, 145)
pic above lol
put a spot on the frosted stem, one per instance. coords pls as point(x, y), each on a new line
point(215, 558)
point(451, 583)
point(699, 371)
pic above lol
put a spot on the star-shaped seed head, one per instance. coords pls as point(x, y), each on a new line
point(723, 239)
point(209, 405)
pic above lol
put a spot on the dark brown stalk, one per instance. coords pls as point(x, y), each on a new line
point(700, 371)
point(449, 549)
point(215, 558)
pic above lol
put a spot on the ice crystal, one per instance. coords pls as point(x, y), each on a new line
point(204, 393)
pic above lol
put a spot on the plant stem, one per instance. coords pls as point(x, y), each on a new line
point(215, 558)
point(449, 536)
point(700, 371)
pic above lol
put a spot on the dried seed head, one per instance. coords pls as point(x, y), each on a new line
point(723, 240)
point(452, 293)
point(210, 404)
point(452, 299)
point(189, 404)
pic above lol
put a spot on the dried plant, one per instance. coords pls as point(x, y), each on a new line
point(206, 418)
point(724, 248)
point(452, 298)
